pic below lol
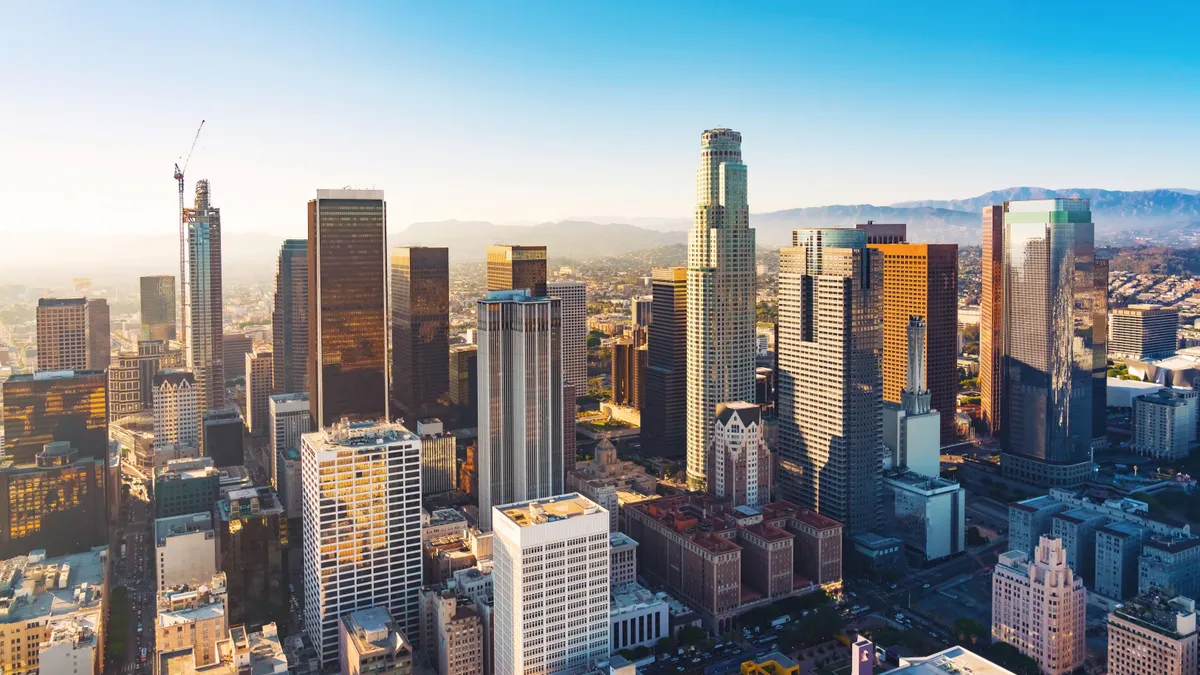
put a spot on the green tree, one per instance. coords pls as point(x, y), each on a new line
point(967, 630)
point(974, 538)
point(1007, 656)
point(666, 645)
point(594, 337)
point(690, 635)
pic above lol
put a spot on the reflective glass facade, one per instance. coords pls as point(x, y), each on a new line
point(204, 328)
point(347, 261)
point(664, 413)
point(516, 268)
point(289, 320)
point(1055, 334)
point(420, 330)
point(158, 307)
point(62, 406)
point(59, 507)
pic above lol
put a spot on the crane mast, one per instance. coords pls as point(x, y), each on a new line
point(183, 305)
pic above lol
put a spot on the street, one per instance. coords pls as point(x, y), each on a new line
point(134, 571)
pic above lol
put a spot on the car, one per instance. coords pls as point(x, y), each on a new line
point(925, 586)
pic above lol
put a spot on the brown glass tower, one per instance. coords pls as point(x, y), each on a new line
point(991, 323)
point(420, 330)
point(347, 266)
point(68, 406)
point(922, 280)
point(517, 267)
point(158, 307)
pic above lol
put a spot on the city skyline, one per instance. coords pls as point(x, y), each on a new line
point(801, 94)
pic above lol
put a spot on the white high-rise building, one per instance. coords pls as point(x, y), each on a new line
point(1039, 607)
point(202, 285)
point(912, 430)
point(520, 386)
point(177, 400)
point(720, 294)
point(291, 418)
point(551, 585)
point(361, 526)
point(573, 298)
point(830, 349)
point(740, 461)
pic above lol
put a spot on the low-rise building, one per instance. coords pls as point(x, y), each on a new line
point(952, 660)
point(623, 554)
point(603, 478)
point(238, 653)
point(193, 617)
point(639, 618)
point(372, 644)
point(771, 663)
point(1076, 529)
point(52, 612)
point(1164, 423)
point(929, 512)
point(186, 486)
point(873, 553)
point(186, 549)
point(445, 523)
point(452, 631)
point(1170, 564)
point(1118, 547)
point(1153, 634)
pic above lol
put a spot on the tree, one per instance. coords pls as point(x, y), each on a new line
point(594, 337)
point(1007, 656)
point(690, 635)
point(666, 645)
point(974, 538)
point(967, 630)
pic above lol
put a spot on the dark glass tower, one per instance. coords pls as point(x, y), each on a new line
point(420, 330)
point(289, 320)
point(158, 307)
point(1055, 324)
point(68, 406)
point(664, 413)
point(347, 267)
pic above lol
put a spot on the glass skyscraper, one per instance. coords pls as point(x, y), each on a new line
point(158, 307)
point(420, 330)
point(204, 328)
point(1055, 308)
point(289, 320)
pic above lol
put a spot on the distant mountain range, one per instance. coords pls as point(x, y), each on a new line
point(1155, 216)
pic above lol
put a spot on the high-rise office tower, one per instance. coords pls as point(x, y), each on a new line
point(1143, 332)
point(234, 348)
point(347, 270)
point(991, 318)
point(1038, 606)
point(131, 376)
point(290, 419)
point(205, 356)
point(361, 526)
point(252, 533)
point(664, 415)
point(720, 296)
point(157, 302)
point(68, 406)
point(912, 428)
point(573, 296)
point(56, 502)
point(551, 612)
point(99, 342)
point(464, 388)
point(884, 233)
point(570, 430)
point(420, 329)
point(72, 334)
point(289, 320)
point(520, 399)
point(739, 464)
point(1055, 304)
point(629, 362)
point(177, 413)
point(517, 267)
point(260, 372)
point(643, 312)
point(922, 280)
point(830, 379)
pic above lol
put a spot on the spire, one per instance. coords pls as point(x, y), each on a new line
point(915, 396)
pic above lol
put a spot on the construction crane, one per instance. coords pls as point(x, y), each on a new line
point(182, 305)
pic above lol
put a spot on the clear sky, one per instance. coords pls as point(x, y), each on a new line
point(529, 111)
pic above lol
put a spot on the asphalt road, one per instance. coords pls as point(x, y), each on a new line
point(136, 573)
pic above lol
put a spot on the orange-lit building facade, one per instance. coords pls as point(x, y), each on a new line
point(517, 267)
point(69, 406)
point(990, 317)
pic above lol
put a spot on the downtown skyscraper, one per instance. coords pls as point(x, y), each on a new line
point(1055, 333)
point(157, 304)
point(664, 418)
point(830, 375)
point(204, 321)
point(520, 399)
point(720, 294)
point(289, 320)
point(348, 323)
point(420, 308)
point(72, 334)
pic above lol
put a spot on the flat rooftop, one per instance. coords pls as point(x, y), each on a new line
point(549, 510)
point(620, 540)
point(360, 435)
point(35, 587)
point(185, 524)
point(948, 662)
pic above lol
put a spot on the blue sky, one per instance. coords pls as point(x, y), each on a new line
point(539, 111)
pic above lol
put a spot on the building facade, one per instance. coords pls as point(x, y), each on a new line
point(520, 418)
point(518, 267)
point(223, 437)
point(921, 280)
point(290, 419)
point(830, 380)
point(552, 585)
point(740, 463)
point(572, 296)
point(1143, 332)
point(260, 373)
point(720, 294)
point(185, 549)
point(252, 533)
point(464, 386)
point(177, 401)
point(991, 318)
point(372, 643)
point(44, 407)
point(56, 503)
point(664, 412)
point(438, 457)
point(1118, 547)
point(1153, 634)
point(1053, 398)
point(289, 319)
point(204, 332)
point(1164, 424)
point(347, 336)
point(72, 334)
point(361, 527)
point(420, 306)
point(1039, 607)
point(629, 361)
point(157, 305)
